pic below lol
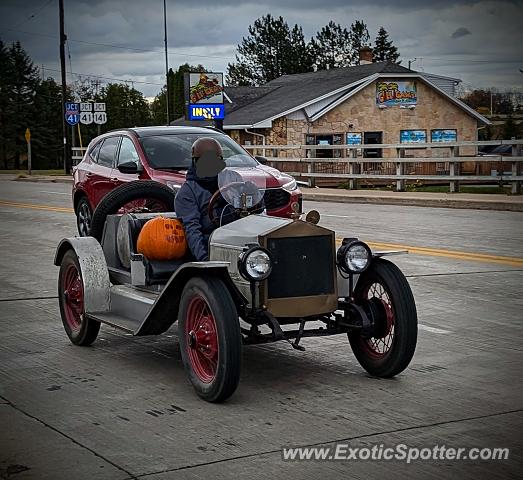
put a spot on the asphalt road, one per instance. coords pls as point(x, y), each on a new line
point(124, 409)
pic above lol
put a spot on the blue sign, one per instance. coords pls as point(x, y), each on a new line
point(208, 111)
point(72, 113)
point(353, 138)
point(413, 136)
point(442, 135)
point(71, 107)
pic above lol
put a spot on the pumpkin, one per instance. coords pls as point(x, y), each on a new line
point(162, 239)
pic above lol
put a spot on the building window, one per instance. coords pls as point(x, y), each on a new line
point(413, 136)
point(441, 135)
point(325, 139)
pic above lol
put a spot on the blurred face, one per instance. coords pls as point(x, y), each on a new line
point(208, 157)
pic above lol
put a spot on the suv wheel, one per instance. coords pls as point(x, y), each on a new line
point(84, 216)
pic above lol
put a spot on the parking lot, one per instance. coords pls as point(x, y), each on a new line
point(123, 408)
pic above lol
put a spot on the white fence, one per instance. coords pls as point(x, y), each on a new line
point(352, 166)
point(351, 163)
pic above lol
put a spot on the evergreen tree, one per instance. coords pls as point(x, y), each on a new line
point(272, 49)
point(359, 37)
point(46, 126)
point(331, 47)
point(18, 82)
point(384, 50)
point(126, 107)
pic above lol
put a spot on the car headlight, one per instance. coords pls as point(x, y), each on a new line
point(290, 186)
point(255, 264)
point(353, 256)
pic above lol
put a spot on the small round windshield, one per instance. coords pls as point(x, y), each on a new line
point(173, 151)
point(243, 190)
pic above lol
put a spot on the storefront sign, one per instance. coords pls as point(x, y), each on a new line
point(413, 136)
point(206, 112)
point(205, 88)
point(354, 138)
point(396, 93)
point(441, 135)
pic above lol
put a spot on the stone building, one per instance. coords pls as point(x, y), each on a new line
point(373, 103)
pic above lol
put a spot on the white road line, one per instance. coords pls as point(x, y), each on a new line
point(56, 193)
point(421, 326)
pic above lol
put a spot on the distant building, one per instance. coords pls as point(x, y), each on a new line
point(371, 103)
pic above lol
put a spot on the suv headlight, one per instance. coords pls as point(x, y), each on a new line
point(255, 264)
point(353, 256)
point(290, 186)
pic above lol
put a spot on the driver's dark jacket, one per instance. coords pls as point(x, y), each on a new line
point(191, 205)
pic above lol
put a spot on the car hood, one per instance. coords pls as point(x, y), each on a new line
point(273, 178)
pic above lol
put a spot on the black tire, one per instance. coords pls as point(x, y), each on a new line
point(80, 329)
point(84, 217)
point(128, 192)
point(221, 383)
point(404, 335)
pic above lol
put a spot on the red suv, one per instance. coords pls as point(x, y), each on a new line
point(164, 154)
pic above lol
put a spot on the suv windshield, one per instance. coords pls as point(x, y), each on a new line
point(173, 151)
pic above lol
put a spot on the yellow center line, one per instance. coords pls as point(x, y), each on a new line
point(458, 255)
point(49, 208)
point(433, 252)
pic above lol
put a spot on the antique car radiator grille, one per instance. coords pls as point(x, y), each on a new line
point(275, 198)
point(302, 266)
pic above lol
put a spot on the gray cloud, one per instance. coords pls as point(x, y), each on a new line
point(461, 32)
point(208, 31)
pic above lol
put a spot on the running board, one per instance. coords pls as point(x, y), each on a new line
point(128, 308)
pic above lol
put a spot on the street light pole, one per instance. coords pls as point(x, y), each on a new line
point(167, 95)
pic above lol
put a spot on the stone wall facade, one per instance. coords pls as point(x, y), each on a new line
point(360, 114)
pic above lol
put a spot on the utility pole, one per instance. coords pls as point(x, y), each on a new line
point(67, 160)
point(167, 95)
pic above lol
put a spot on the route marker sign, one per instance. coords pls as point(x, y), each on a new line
point(99, 107)
point(72, 113)
point(86, 118)
point(100, 117)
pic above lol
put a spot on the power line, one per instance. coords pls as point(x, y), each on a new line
point(91, 75)
point(33, 15)
point(123, 47)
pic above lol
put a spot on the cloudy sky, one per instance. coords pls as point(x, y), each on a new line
point(480, 42)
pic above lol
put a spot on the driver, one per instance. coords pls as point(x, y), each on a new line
point(192, 200)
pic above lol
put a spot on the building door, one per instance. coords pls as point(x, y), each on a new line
point(372, 138)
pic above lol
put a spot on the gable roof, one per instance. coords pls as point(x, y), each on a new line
point(258, 106)
point(290, 91)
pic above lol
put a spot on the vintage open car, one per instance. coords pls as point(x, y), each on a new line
point(268, 279)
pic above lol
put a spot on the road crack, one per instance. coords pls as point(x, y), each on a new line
point(76, 442)
point(338, 440)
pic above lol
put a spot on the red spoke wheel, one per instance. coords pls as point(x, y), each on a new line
point(210, 338)
point(384, 291)
point(80, 329)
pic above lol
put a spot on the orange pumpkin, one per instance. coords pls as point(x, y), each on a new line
point(162, 239)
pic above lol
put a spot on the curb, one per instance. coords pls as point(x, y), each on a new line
point(458, 203)
point(418, 202)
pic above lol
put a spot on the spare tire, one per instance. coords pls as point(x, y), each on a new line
point(128, 192)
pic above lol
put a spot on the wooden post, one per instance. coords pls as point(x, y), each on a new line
point(454, 169)
point(353, 182)
point(516, 170)
point(28, 140)
point(400, 170)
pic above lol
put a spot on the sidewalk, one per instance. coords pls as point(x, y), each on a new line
point(478, 201)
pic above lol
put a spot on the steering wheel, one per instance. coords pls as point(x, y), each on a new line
point(219, 193)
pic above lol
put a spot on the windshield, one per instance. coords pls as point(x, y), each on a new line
point(173, 151)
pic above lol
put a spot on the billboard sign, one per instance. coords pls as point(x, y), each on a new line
point(396, 93)
point(443, 135)
point(413, 136)
point(209, 111)
point(205, 88)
